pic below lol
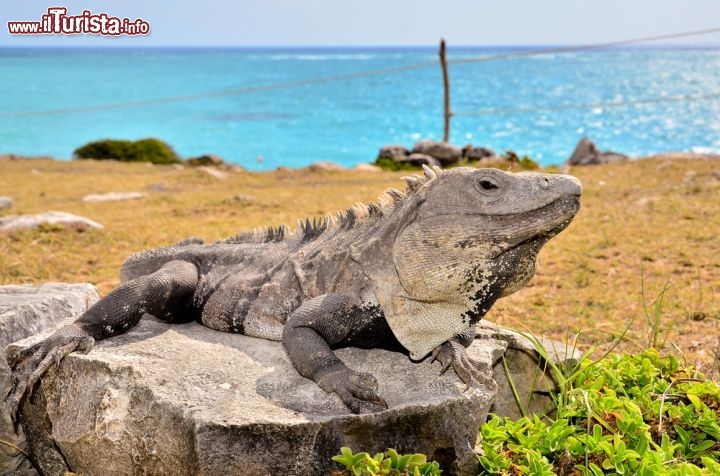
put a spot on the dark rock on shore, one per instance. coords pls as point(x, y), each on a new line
point(587, 153)
point(446, 153)
point(478, 153)
point(430, 152)
point(419, 160)
point(395, 152)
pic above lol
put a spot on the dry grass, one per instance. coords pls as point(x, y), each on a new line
point(658, 219)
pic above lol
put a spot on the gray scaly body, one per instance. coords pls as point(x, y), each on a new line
point(412, 272)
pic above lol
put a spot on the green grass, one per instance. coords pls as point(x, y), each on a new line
point(640, 223)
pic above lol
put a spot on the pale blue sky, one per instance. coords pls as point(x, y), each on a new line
point(377, 22)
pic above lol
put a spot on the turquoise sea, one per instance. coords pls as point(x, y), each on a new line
point(245, 103)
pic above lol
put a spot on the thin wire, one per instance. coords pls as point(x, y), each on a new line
point(558, 107)
point(350, 76)
point(596, 46)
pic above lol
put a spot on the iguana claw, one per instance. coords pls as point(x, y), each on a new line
point(357, 390)
point(453, 354)
point(30, 364)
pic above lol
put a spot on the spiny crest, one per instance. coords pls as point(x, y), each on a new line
point(308, 230)
point(414, 182)
point(260, 235)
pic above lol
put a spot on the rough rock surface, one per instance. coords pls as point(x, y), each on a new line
point(587, 153)
point(213, 172)
point(367, 168)
point(394, 152)
point(112, 196)
point(444, 152)
point(5, 203)
point(184, 399)
point(20, 222)
point(478, 153)
point(421, 159)
point(325, 166)
point(26, 310)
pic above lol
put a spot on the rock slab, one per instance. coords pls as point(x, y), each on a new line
point(63, 219)
point(442, 151)
point(112, 197)
point(6, 203)
point(26, 310)
point(587, 153)
point(184, 399)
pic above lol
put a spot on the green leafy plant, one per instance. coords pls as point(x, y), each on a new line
point(143, 150)
point(389, 463)
point(391, 165)
point(640, 414)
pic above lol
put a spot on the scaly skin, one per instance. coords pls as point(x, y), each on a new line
point(412, 273)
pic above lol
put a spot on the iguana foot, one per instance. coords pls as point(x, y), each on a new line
point(30, 364)
point(453, 354)
point(357, 390)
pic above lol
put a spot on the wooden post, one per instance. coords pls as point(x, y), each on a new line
point(446, 85)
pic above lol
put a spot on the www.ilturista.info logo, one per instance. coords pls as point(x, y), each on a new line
point(58, 22)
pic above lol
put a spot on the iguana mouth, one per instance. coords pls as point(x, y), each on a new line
point(566, 206)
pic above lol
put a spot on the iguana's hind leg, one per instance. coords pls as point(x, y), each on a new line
point(162, 293)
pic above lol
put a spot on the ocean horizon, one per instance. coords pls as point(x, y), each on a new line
point(293, 106)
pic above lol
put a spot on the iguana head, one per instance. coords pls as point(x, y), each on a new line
point(474, 237)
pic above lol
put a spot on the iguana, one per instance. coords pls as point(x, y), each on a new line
point(412, 272)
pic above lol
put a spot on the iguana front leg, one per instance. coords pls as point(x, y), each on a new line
point(308, 334)
point(452, 354)
point(162, 293)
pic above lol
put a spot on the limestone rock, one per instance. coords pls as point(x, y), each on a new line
point(184, 399)
point(367, 168)
point(444, 152)
point(112, 197)
point(420, 160)
point(26, 310)
point(394, 152)
point(478, 153)
point(587, 153)
point(317, 166)
point(213, 172)
point(19, 222)
point(6, 203)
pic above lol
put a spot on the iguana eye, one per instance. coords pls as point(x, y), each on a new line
point(487, 184)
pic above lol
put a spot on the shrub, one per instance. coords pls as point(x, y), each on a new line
point(391, 165)
point(636, 414)
point(143, 150)
point(389, 463)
